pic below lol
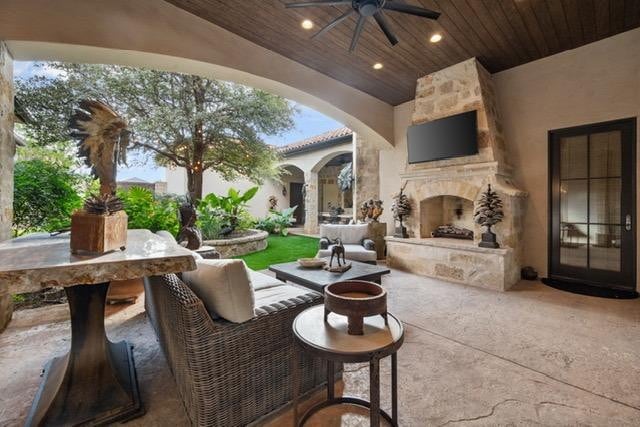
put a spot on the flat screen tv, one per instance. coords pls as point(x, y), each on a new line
point(453, 136)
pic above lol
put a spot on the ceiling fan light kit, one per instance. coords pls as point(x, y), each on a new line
point(366, 9)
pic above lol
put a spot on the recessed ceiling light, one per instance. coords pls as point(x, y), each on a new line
point(377, 66)
point(307, 24)
point(435, 38)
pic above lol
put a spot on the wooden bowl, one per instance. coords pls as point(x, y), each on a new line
point(355, 299)
point(311, 262)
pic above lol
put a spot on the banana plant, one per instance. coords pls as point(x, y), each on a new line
point(231, 206)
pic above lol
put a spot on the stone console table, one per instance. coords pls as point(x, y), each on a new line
point(454, 260)
point(95, 382)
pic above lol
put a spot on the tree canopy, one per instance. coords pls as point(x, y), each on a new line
point(182, 120)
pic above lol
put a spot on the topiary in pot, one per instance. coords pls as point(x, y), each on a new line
point(489, 213)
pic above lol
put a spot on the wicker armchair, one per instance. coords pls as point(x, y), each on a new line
point(229, 374)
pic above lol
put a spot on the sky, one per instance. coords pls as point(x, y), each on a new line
point(307, 123)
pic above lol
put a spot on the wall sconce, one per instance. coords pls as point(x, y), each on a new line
point(284, 191)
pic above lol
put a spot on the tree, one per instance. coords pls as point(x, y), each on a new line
point(183, 120)
point(45, 195)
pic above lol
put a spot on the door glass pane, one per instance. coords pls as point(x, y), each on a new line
point(573, 244)
point(573, 200)
point(604, 247)
point(604, 154)
point(573, 157)
point(604, 200)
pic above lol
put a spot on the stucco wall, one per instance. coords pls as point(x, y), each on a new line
point(213, 183)
point(594, 83)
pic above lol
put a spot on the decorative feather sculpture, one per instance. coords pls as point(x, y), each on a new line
point(103, 140)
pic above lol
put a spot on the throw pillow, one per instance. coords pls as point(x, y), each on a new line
point(224, 287)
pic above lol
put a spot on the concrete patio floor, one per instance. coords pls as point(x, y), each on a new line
point(534, 355)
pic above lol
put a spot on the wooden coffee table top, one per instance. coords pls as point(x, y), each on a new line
point(331, 337)
point(316, 279)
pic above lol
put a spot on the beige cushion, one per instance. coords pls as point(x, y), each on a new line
point(352, 252)
point(224, 287)
point(349, 234)
point(278, 293)
point(262, 281)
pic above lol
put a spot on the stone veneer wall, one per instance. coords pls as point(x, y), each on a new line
point(366, 172)
point(457, 89)
point(464, 87)
point(7, 151)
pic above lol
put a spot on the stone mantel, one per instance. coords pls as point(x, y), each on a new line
point(458, 170)
point(39, 260)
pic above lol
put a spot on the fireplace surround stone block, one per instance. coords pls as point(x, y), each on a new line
point(454, 261)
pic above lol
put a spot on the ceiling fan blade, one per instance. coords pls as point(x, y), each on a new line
point(317, 3)
point(357, 32)
point(411, 10)
point(333, 23)
point(386, 29)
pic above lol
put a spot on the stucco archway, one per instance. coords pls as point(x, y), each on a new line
point(156, 34)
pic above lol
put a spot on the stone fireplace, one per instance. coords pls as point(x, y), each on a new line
point(445, 192)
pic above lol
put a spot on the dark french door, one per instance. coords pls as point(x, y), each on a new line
point(592, 201)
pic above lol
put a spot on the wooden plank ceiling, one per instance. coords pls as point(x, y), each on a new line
point(500, 33)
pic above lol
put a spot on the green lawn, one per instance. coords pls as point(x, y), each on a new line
point(282, 249)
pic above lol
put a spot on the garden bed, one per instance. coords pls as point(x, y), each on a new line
point(242, 243)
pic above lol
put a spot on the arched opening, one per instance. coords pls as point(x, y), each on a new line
point(293, 192)
point(335, 204)
point(161, 36)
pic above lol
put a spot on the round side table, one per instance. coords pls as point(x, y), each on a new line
point(329, 340)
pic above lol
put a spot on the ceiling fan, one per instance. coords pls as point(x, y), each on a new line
point(365, 9)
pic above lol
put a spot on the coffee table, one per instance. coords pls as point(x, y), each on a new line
point(317, 278)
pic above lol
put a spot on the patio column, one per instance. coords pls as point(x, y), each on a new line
point(366, 170)
point(7, 151)
point(311, 202)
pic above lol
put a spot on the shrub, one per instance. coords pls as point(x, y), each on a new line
point(277, 222)
point(222, 215)
point(45, 195)
point(151, 212)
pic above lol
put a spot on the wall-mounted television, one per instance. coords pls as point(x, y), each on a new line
point(453, 136)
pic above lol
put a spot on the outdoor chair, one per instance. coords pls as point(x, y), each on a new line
point(355, 238)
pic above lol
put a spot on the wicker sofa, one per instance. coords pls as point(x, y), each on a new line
point(231, 374)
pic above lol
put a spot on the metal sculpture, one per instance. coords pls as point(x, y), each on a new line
point(103, 141)
point(189, 236)
point(337, 250)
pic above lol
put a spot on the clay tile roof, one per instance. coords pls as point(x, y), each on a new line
point(316, 141)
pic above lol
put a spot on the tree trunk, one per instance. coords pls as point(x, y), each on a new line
point(194, 185)
point(194, 175)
